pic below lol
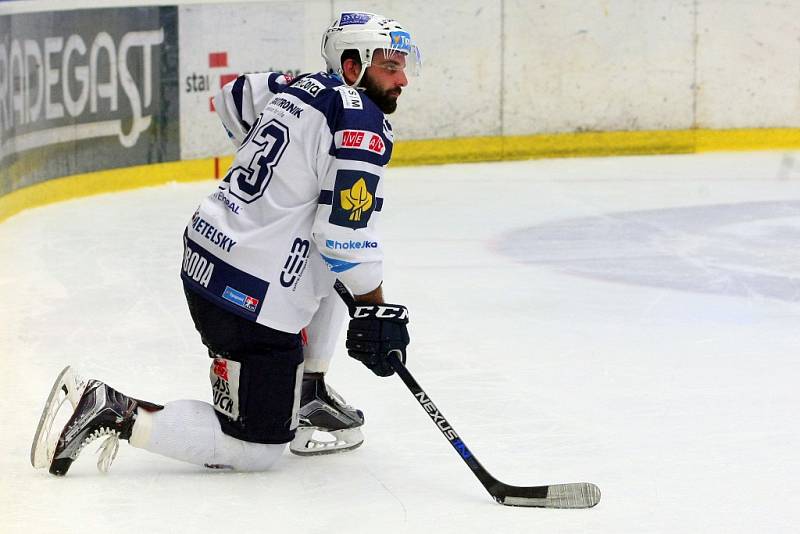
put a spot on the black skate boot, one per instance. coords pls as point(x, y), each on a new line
point(101, 411)
point(323, 410)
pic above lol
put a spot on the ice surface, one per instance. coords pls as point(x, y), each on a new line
point(631, 322)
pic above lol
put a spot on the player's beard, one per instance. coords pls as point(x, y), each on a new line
point(385, 99)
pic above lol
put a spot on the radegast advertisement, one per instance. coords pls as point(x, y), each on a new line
point(86, 90)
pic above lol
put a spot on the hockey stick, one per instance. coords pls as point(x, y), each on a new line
point(573, 495)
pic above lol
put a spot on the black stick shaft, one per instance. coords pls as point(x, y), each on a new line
point(492, 485)
point(447, 430)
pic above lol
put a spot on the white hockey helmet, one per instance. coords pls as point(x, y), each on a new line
point(367, 32)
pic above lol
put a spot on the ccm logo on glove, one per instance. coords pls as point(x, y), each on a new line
point(382, 311)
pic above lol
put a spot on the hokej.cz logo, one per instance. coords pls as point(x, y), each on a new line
point(345, 245)
point(357, 200)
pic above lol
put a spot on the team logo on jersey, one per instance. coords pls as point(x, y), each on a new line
point(357, 200)
point(353, 198)
point(360, 139)
point(225, 386)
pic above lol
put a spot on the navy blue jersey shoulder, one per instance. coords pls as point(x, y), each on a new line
point(347, 116)
point(272, 82)
point(312, 88)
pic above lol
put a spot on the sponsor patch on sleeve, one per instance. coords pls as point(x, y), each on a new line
point(225, 386)
point(350, 97)
point(360, 139)
point(353, 199)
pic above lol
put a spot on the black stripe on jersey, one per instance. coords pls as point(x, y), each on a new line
point(237, 94)
point(326, 198)
point(359, 154)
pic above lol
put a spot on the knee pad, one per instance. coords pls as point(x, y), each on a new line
point(257, 396)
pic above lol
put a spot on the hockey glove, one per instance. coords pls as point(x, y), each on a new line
point(374, 330)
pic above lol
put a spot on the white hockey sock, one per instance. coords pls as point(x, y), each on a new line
point(323, 334)
point(188, 430)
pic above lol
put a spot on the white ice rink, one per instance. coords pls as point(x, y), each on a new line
point(633, 322)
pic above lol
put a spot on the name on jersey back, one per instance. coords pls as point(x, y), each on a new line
point(208, 231)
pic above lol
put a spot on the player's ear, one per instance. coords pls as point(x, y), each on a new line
point(351, 69)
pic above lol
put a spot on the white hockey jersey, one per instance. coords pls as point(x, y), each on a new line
point(298, 207)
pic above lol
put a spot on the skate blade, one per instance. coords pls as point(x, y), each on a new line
point(67, 387)
point(304, 443)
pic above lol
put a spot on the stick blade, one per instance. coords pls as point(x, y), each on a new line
point(575, 495)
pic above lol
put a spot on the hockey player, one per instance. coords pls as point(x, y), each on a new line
point(297, 209)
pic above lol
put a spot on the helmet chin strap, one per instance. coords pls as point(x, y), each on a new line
point(360, 75)
point(358, 79)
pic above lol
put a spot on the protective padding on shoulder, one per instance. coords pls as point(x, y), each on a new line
point(188, 430)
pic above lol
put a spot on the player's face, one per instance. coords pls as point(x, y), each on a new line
point(385, 79)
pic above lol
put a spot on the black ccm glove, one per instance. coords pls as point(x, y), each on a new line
point(374, 330)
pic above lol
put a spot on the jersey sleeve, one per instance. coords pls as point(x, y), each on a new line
point(350, 170)
point(239, 102)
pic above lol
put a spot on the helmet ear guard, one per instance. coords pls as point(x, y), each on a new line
point(366, 33)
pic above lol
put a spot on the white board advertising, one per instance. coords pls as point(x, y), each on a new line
point(220, 42)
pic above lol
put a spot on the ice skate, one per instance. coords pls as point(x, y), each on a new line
point(323, 411)
point(67, 387)
point(101, 411)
